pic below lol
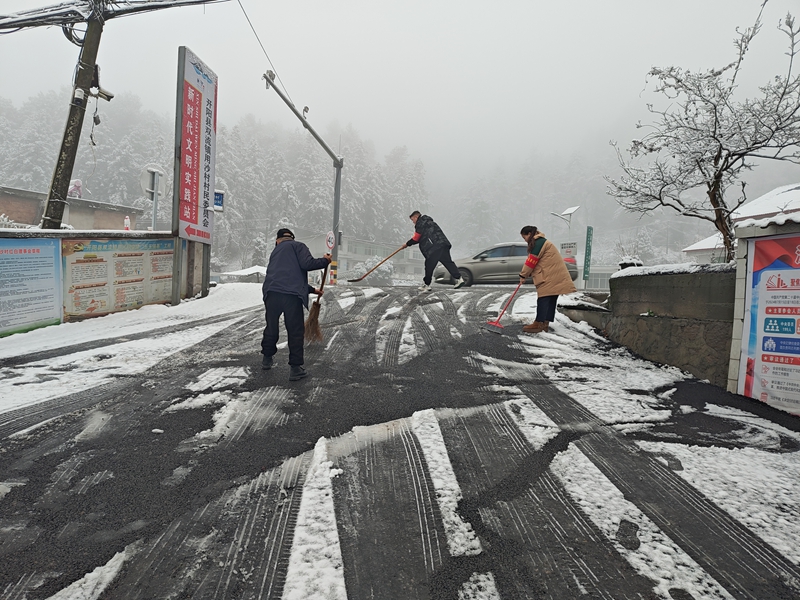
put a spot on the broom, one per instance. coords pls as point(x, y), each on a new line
point(378, 265)
point(313, 332)
point(494, 326)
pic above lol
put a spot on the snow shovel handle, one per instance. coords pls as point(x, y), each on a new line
point(378, 265)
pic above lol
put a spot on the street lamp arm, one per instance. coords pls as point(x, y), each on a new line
point(268, 77)
point(338, 163)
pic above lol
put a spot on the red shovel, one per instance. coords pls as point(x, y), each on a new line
point(494, 326)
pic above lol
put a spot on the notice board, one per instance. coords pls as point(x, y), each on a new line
point(770, 351)
point(30, 284)
point(105, 276)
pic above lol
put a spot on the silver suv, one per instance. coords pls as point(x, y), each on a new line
point(499, 264)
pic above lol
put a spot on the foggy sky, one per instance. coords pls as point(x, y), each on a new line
point(464, 85)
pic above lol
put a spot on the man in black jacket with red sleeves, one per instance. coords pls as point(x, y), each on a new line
point(435, 247)
point(285, 292)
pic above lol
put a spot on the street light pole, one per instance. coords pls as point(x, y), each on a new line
point(566, 216)
point(338, 163)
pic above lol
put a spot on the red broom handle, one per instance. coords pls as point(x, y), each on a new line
point(509, 302)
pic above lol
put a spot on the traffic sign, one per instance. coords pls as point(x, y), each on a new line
point(330, 240)
point(569, 249)
point(146, 180)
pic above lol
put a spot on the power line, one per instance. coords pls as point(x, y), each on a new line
point(81, 11)
point(264, 50)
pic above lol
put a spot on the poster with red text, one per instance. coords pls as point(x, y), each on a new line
point(103, 276)
point(771, 335)
point(197, 121)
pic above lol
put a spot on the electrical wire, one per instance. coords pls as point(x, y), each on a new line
point(265, 51)
point(92, 144)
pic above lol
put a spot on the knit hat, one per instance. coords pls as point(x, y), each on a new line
point(283, 232)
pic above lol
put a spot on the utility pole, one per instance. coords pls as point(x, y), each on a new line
point(59, 186)
point(66, 15)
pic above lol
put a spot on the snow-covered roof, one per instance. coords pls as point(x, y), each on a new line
point(248, 271)
point(780, 219)
point(778, 206)
point(712, 242)
point(782, 200)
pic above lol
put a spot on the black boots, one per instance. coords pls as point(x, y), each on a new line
point(297, 372)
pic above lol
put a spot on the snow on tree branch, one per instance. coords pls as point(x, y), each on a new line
point(701, 145)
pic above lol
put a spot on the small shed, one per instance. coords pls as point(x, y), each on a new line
point(255, 273)
point(707, 251)
point(27, 207)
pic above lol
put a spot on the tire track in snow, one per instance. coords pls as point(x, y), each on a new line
point(635, 536)
point(316, 569)
point(387, 513)
point(430, 341)
point(355, 338)
point(743, 564)
point(527, 524)
point(21, 419)
point(236, 546)
point(436, 318)
point(451, 314)
point(461, 539)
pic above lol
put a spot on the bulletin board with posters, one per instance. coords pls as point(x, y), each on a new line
point(105, 276)
point(771, 334)
point(30, 284)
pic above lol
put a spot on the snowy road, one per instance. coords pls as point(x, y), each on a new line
point(146, 455)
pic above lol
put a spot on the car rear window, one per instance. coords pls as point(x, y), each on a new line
point(519, 251)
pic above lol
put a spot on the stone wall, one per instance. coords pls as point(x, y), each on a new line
point(680, 319)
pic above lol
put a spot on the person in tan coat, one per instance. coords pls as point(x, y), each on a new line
point(550, 276)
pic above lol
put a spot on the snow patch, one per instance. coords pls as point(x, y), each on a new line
point(316, 567)
point(759, 489)
point(657, 556)
point(93, 584)
point(481, 586)
point(534, 424)
point(461, 539)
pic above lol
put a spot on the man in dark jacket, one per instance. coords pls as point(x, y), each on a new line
point(285, 292)
point(435, 247)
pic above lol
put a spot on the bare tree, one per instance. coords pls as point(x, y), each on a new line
point(701, 144)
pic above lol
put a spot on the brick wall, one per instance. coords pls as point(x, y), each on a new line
point(20, 210)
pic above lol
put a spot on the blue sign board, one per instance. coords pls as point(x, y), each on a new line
point(776, 325)
point(219, 199)
point(781, 344)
